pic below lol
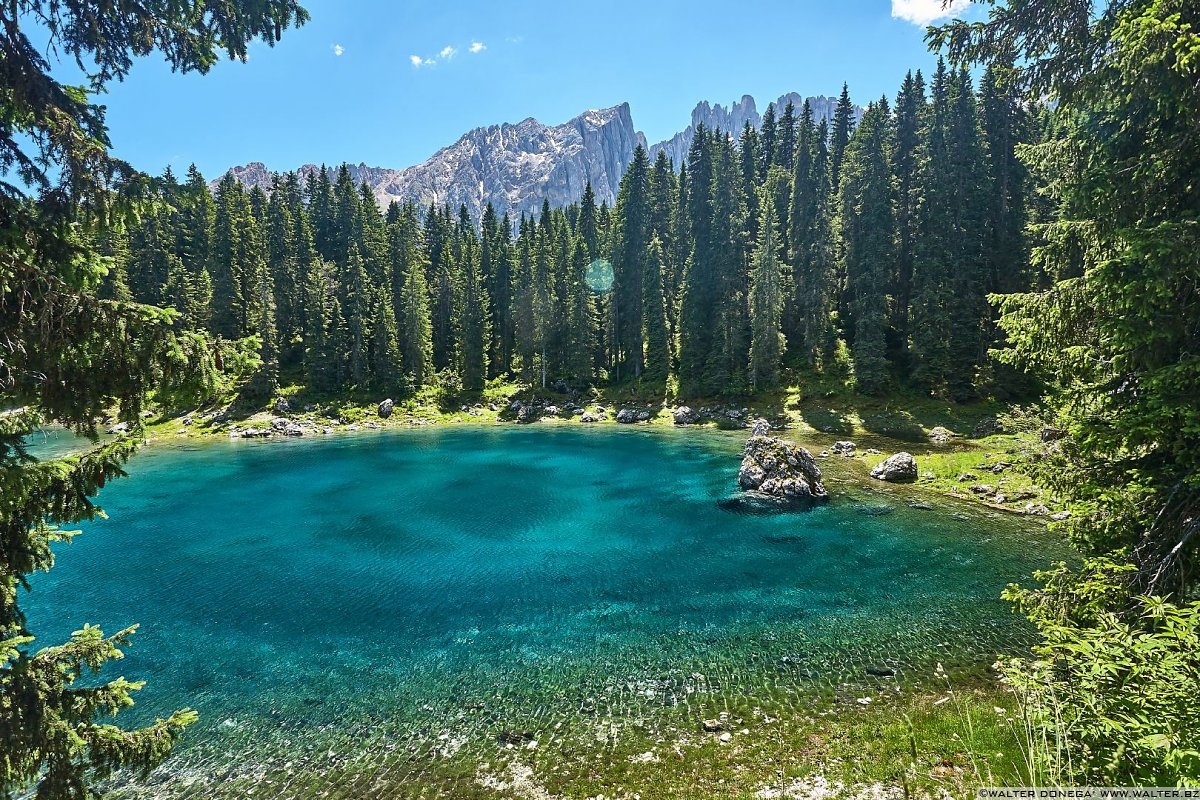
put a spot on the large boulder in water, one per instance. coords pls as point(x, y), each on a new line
point(897, 468)
point(780, 469)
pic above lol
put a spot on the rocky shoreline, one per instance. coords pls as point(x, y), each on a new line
point(285, 422)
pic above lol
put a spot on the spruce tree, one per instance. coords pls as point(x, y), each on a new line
point(785, 151)
point(866, 230)
point(581, 318)
point(654, 309)
point(843, 127)
point(386, 362)
point(766, 300)
point(412, 309)
point(768, 141)
point(906, 166)
point(932, 264)
point(725, 367)
point(699, 289)
point(631, 244)
point(476, 319)
point(357, 294)
point(969, 312)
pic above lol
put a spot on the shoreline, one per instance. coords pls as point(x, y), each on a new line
point(934, 458)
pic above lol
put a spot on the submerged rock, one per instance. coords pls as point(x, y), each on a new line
point(386, 407)
point(685, 415)
point(779, 469)
point(898, 467)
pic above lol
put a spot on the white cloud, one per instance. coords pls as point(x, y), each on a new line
point(448, 52)
point(923, 12)
point(477, 47)
point(417, 61)
point(338, 49)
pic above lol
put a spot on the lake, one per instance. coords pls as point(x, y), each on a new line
point(385, 601)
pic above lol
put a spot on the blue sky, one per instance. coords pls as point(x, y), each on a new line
point(346, 86)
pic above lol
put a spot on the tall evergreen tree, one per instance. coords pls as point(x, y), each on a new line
point(386, 363)
point(766, 300)
point(699, 290)
point(843, 127)
point(906, 166)
point(476, 319)
point(631, 246)
point(654, 313)
point(581, 318)
point(785, 151)
point(866, 229)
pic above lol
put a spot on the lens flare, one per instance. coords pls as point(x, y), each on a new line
point(600, 276)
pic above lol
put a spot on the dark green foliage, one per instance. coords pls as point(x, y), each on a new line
point(658, 347)
point(906, 166)
point(1110, 696)
point(843, 126)
point(476, 304)
point(865, 225)
point(766, 299)
point(631, 244)
point(67, 356)
point(810, 296)
point(1113, 333)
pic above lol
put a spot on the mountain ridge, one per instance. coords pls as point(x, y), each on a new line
point(515, 166)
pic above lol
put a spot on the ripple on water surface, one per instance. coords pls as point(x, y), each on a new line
point(403, 595)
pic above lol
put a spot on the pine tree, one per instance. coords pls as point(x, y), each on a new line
point(321, 208)
point(227, 266)
point(654, 310)
point(725, 367)
point(446, 290)
point(699, 290)
point(932, 265)
point(843, 127)
point(412, 304)
point(282, 263)
point(630, 248)
point(357, 294)
point(750, 161)
point(386, 363)
point(969, 313)
point(525, 322)
point(766, 300)
point(866, 229)
point(319, 370)
point(906, 165)
point(768, 140)
point(785, 151)
point(476, 319)
point(581, 318)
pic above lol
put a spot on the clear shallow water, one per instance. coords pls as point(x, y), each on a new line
point(357, 600)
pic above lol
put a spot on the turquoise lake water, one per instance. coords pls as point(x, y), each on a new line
point(316, 598)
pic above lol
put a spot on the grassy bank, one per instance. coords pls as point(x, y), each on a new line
point(952, 456)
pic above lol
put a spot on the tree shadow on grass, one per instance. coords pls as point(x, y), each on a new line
point(828, 420)
point(900, 425)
